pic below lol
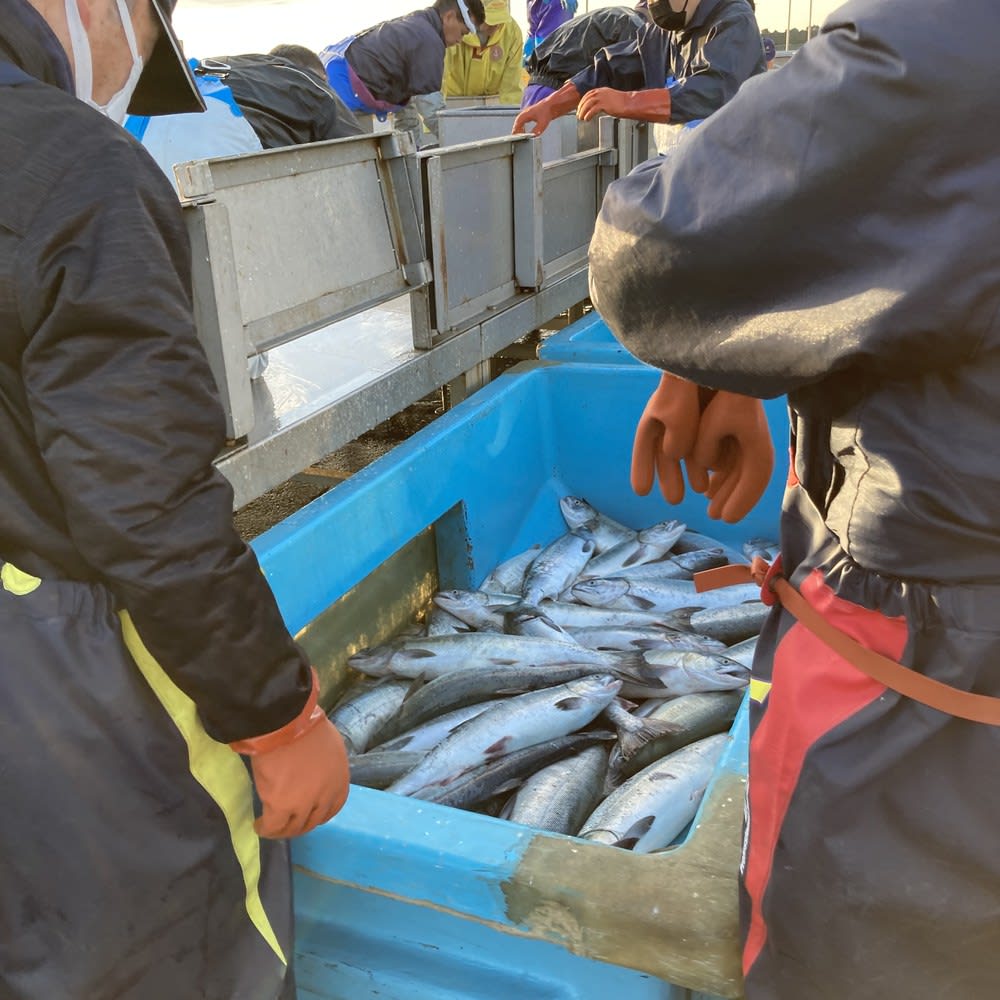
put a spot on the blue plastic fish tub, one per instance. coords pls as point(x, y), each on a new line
point(588, 340)
point(397, 898)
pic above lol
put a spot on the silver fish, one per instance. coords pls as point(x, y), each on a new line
point(765, 548)
point(606, 532)
point(430, 734)
point(380, 768)
point(658, 569)
point(519, 722)
point(361, 714)
point(430, 657)
point(692, 716)
point(652, 808)
point(440, 622)
point(533, 622)
point(658, 597)
point(733, 623)
point(651, 543)
point(633, 732)
point(691, 541)
point(644, 637)
point(506, 773)
point(561, 796)
point(476, 608)
point(700, 559)
point(461, 688)
point(571, 616)
point(743, 652)
point(677, 672)
point(556, 567)
point(508, 577)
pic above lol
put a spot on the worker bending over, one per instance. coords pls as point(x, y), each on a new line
point(687, 63)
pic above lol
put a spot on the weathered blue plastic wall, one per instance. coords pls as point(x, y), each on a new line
point(401, 899)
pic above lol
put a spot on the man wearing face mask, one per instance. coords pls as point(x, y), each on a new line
point(143, 651)
point(689, 61)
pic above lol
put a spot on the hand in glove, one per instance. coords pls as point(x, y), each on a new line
point(300, 772)
point(562, 102)
point(666, 433)
point(640, 105)
point(733, 455)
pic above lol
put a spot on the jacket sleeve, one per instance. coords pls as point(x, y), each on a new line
point(619, 66)
point(730, 55)
point(813, 225)
point(128, 423)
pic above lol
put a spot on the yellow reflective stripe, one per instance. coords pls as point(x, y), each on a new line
point(16, 581)
point(218, 770)
point(759, 689)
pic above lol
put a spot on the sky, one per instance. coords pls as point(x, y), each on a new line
point(229, 27)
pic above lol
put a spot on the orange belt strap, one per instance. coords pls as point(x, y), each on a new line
point(896, 677)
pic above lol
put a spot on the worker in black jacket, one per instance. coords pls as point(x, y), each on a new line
point(685, 64)
point(284, 95)
point(142, 649)
point(571, 47)
point(854, 267)
point(379, 70)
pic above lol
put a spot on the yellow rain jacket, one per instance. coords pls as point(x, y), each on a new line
point(474, 71)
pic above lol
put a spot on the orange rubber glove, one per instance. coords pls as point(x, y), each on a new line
point(300, 772)
point(640, 105)
point(733, 456)
point(667, 431)
point(562, 102)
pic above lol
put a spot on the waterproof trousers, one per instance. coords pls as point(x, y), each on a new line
point(130, 866)
point(871, 865)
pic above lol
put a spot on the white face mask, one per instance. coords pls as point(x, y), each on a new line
point(117, 107)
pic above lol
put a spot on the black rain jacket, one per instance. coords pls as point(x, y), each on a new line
point(709, 60)
point(285, 104)
point(854, 264)
point(571, 47)
point(400, 58)
point(109, 417)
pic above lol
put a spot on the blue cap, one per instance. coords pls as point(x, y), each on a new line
point(769, 50)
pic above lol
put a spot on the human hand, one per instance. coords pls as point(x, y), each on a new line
point(300, 771)
point(651, 105)
point(667, 431)
point(541, 114)
point(733, 456)
point(602, 100)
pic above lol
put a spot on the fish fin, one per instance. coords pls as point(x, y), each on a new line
point(497, 749)
point(508, 808)
point(570, 704)
point(630, 661)
point(636, 832)
point(510, 785)
point(680, 618)
point(626, 843)
point(641, 603)
point(418, 683)
point(632, 743)
point(635, 559)
point(510, 690)
point(415, 654)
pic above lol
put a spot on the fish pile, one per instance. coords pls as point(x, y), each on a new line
point(585, 688)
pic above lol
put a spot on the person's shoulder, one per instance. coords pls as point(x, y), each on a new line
point(70, 150)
